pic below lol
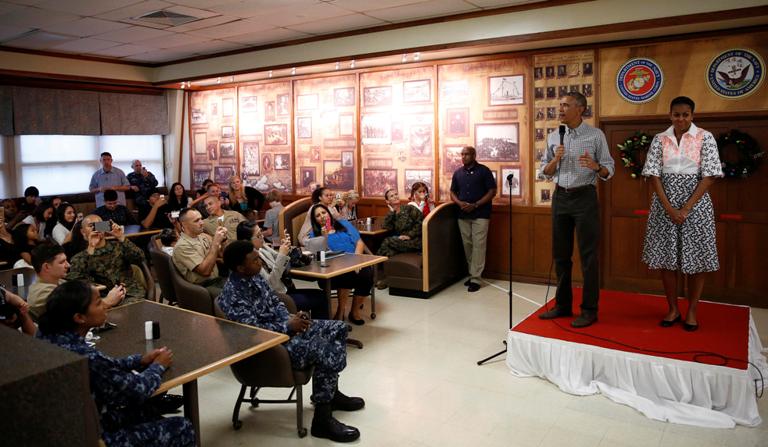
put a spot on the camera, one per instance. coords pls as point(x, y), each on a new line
point(102, 227)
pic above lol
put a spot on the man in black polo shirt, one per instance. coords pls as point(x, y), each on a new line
point(473, 189)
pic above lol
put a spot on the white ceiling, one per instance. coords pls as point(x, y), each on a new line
point(109, 29)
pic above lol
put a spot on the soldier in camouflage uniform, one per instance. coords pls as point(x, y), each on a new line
point(120, 387)
point(405, 223)
point(108, 262)
point(248, 299)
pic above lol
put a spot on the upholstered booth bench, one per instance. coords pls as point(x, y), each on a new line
point(440, 263)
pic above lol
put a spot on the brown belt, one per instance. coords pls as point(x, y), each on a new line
point(572, 190)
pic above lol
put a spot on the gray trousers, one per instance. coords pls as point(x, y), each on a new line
point(474, 235)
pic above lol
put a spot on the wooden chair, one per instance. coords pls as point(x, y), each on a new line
point(292, 216)
point(270, 369)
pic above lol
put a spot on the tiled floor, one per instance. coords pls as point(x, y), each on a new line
point(422, 387)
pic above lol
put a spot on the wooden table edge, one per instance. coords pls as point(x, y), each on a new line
point(368, 263)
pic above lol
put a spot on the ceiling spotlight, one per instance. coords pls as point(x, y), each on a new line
point(270, 73)
point(352, 64)
point(232, 78)
point(218, 80)
point(293, 71)
point(183, 85)
point(338, 65)
point(416, 56)
point(405, 58)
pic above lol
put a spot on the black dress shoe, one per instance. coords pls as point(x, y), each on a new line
point(473, 287)
point(584, 320)
point(669, 323)
point(342, 402)
point(468, 282)
point(326, 426)
point(690, 327)
point(557, 312)
point(354, 321)
point(168, 403)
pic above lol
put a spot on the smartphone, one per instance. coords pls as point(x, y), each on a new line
point(175, 214)
point(103, 227)
point(220, 221)
point(162, 197)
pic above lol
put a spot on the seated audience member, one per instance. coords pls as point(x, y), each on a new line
point(203, 190)
point(155, 214)
point(178, 199)
point(12, 214)
point(14, 312)
point(168, 239)
point(44, 218)
point(404, 221)
point(8, 252)
point(325, 197)
point(248, 299)
point(105, 261)
point(143, 183)
point(245, 200)
point(275, 270)
point(112, 210)
point(50, 263)
point(31, 200)
point(121, 388)
point(420, 198)
point(271, 223)
point(196, 253)
point(65, 221)
point(24, 239)
point(343, 236)
point(56, 202)
point(218, 217)
point(348, 206)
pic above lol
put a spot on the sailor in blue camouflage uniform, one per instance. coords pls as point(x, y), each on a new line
point(248, 299)
point(120, 387)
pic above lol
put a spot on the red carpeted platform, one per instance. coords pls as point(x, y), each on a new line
point(630, 322)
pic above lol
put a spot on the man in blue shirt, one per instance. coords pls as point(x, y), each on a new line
point(473, 189)
point(109, 177)
point(248, 299)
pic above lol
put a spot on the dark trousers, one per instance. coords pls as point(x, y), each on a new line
point(577, 210)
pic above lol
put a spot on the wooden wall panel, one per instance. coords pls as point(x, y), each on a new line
point(684, 64)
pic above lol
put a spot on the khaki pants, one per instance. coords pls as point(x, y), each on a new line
point(474, 234)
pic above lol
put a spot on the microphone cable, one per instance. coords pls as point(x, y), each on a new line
point(698, 356)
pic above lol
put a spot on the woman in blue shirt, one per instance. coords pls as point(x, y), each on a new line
point(342, 236)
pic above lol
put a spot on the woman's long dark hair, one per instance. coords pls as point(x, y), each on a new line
point(39, 214)
point(19, 236)
point(173, 202)
point(317, 193)
point(60, 216)
point(66, 300)
point(77, 243)
point(317, 230)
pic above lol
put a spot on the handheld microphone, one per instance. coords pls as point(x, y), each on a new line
point(561, 131)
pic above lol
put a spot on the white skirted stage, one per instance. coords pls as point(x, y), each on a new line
point(707, 378)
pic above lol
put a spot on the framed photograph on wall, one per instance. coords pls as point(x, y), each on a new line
point(418, 175)
point(227, 150)
point(347, 159)
point(452, 158)
point(212, 149)
point(377, 96)
point(376, 128)
point(250, 165)
point(304, 127)
point(457, 122)
point(201, 141)
point(307, 176)
point(269, 111)
point(197, 116)
point(221, 174)
point(266, 163)
point(199, 174)
point(335, 176)
point(227, 131)
point(214, 105)
point(275, 134)
point(497, 142)
point(417, 91)
point(420, 140)
point(227, 107)
point(515, 190)
point(344, 97)
point(506, 90)
point(282, 162)
point(283, 104)
point(346, 125)
point(306, 102)
point(377, 181)
point(248, 104)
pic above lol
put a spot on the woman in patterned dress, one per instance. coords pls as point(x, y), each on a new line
point(682, 163)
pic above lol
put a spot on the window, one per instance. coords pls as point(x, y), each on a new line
point(64, 164)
